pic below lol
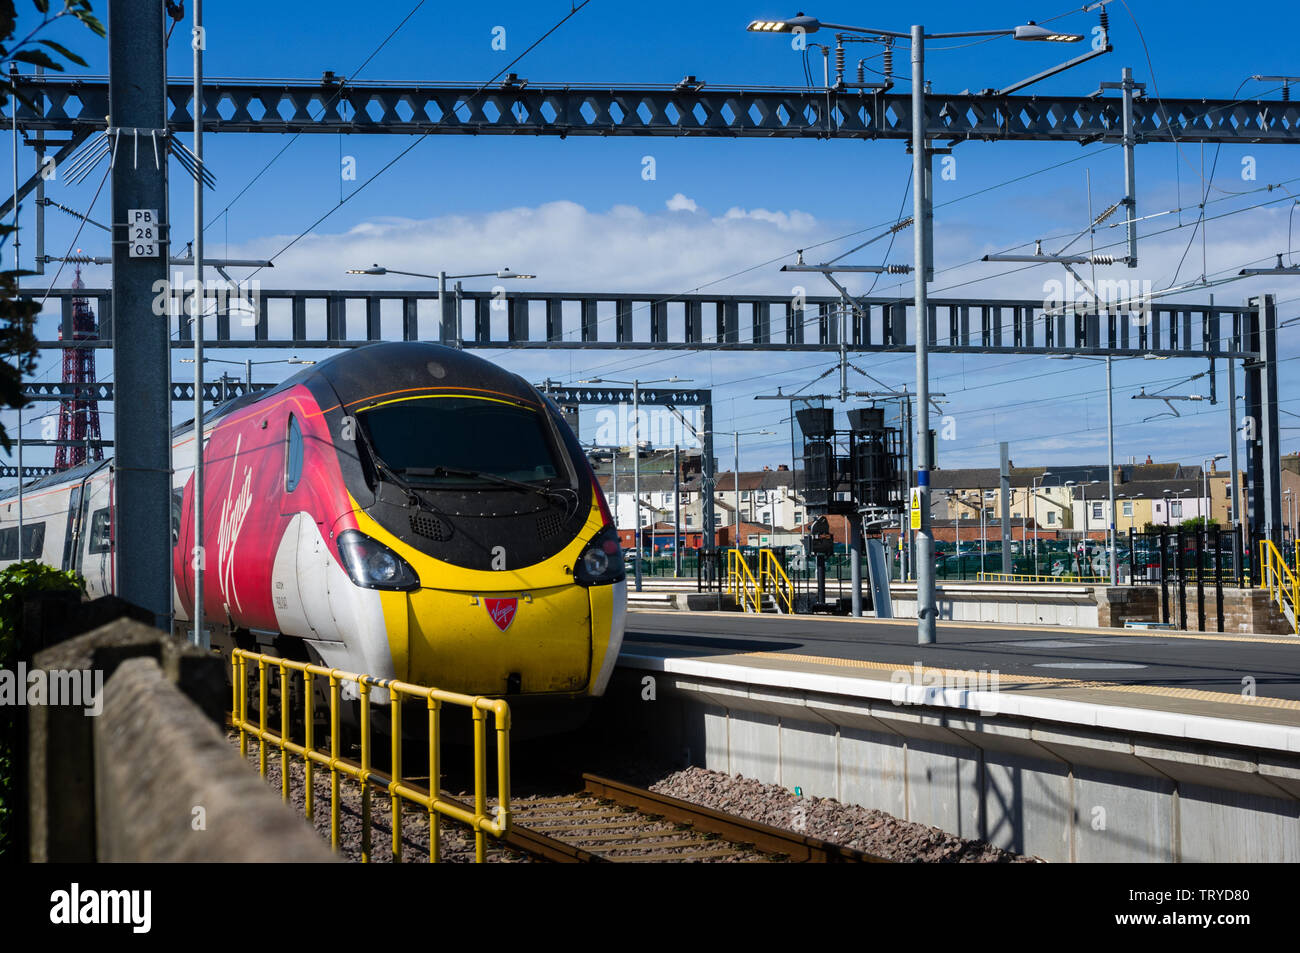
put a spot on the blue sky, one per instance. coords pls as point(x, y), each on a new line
point(579, 213)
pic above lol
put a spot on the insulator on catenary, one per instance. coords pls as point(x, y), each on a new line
point(839, 62)
point(887, 58)
point(1104, 19)
point(1107, 214)
point(1103, 259)
point(898, 269)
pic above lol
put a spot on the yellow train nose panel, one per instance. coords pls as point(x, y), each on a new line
point(473, 642)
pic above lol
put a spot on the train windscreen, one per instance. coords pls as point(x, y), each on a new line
point(461, 440)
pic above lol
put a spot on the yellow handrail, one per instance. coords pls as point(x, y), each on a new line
point(398, 789)
point(770, 568)
point(1029, 577)
point(741, 582)
point(1282, 584)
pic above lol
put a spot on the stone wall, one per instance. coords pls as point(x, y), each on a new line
point(1245, 611)
point(122, 783)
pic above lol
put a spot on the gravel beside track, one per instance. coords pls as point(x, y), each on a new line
point(861, 828)
point(456, 842)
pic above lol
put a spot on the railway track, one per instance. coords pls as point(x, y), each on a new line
point(609, 821)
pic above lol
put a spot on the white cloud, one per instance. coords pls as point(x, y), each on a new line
point(569, 247)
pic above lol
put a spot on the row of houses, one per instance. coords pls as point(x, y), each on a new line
point(769, 509)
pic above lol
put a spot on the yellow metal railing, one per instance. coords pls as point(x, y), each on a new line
point(1030, 577)
point(483, 823)
point(772, 578)
point(1282, 584)
point(741, 582)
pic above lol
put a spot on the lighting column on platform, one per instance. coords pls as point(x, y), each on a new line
point(1205, 486)
point(442, 278)
point(922, 255)
point(636, 453)
point(1033, 495)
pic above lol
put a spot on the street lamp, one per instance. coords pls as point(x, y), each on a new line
point(636, 453)
point(441, 277)
point(921, 208)
point(1205, 487)
point(1033, 484)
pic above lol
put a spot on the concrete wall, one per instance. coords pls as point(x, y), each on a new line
point(1007, 605)
point(1059, 791)
point(124, 784)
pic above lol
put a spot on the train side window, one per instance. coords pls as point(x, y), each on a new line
point(33, 540)
point(293, 462)
point(101, 532)
point(9, 543)
point(178, 505)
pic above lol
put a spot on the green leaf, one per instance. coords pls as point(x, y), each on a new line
point(65, 52)
point(37, 58)
point(91, 21)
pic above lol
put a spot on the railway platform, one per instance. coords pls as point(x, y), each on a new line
point(1070, 744)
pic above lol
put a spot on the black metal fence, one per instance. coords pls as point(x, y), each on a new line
point(1192, 567)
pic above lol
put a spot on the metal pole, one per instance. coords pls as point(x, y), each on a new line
point(442, 311)
point(142, 466)
point(677, 513)
point(199, 636)
point(735, 536)
point(925, 608)
point(17, 285)
point(855, 563)
point(636, 475)
point(614, 482)
point(1110, 450)
point(1130, 175)
point(1033, 493)
point(248, 376)
point(39, 266)
point(1004, 500)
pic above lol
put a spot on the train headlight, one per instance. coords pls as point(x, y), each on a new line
point(372, 565)
point(601, 562)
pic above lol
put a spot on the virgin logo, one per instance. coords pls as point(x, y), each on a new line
point(501, 611)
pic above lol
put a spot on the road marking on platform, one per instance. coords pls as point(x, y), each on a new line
point(1025, 681)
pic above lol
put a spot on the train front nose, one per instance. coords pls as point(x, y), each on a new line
point(501, 642)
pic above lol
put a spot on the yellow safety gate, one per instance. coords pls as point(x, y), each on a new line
point(1282, 584)
point(741, 582)
point(749, 590)
point(496, 824)
point(772, 578)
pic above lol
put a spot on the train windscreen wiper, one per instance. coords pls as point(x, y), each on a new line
point(382, 469)
point(488, 477)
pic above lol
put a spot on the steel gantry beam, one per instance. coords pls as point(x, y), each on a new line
point(518, 108)
point(626, 320)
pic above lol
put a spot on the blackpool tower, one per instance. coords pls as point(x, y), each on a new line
point(79, 436)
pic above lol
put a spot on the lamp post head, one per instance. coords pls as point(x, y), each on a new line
point(797, 22)
point(1033, 32)
point(507, 273)
point(372, 270)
